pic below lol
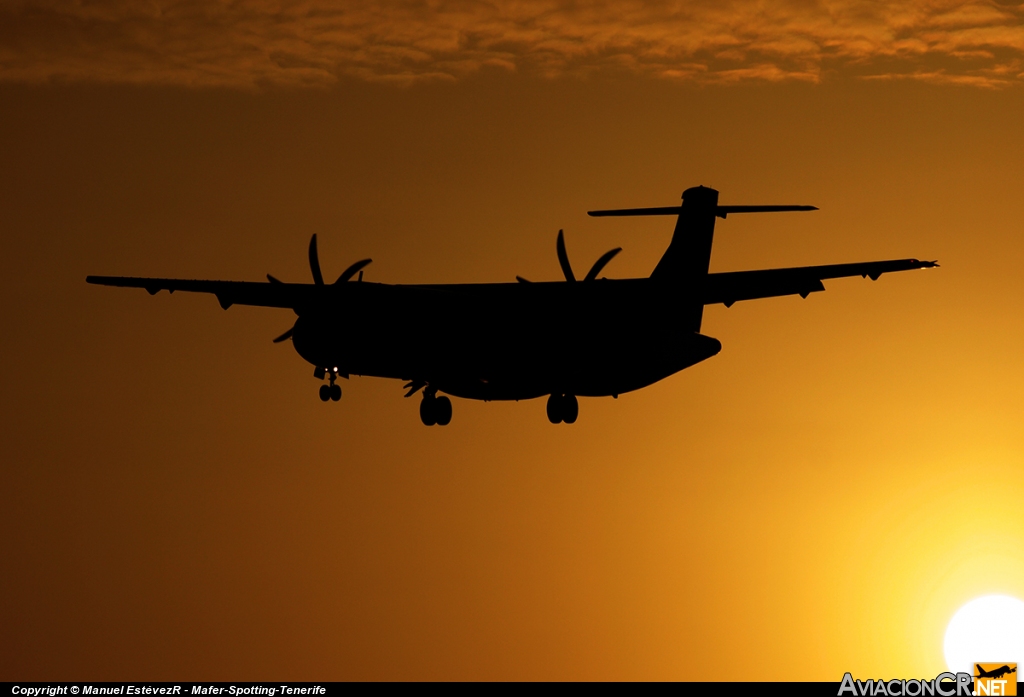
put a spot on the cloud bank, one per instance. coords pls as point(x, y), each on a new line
point(254, 43)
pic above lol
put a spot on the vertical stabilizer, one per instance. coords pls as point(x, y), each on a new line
point(684, 266)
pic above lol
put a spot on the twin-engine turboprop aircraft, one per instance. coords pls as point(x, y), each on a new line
point(565, 339)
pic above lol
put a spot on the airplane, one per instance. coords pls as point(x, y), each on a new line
point(589, 337)
point(995, 673)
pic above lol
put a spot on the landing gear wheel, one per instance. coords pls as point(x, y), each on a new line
point(435, 410)
point(443, 411)
point(325, 393)
point(427, 411)
point(335, 392)
point(555, 408)
point(563, 407)
point(570, 408)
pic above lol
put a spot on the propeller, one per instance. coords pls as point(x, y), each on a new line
point(601, 263)
point(351, 271)
point(563, 261)
point(563, 258)
point(314, 262)
point(318, 277)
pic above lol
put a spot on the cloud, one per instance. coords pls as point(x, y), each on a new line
point(253, 43)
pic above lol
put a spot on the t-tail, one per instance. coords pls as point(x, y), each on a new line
point(684, 266)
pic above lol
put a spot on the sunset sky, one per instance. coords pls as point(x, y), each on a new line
point(818, 498)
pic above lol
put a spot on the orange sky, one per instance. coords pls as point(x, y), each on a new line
point(819, 497)
point(314, 42)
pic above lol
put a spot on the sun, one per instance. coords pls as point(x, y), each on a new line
point(987, 629)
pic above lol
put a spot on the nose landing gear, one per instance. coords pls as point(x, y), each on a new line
point(329, 392)
point(563, 408)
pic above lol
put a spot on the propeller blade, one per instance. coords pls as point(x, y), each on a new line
point(523, 280)
point(272, 279)
point(563, 258)
point(351, 271)
point(286, 335)
point(600, 263)
point(314, 263)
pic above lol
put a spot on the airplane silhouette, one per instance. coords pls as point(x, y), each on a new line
point(523, 340)
point(994, 673)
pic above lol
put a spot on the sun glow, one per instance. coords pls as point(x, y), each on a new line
point(988, 629)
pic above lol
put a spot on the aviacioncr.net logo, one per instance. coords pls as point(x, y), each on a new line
point(942, 685)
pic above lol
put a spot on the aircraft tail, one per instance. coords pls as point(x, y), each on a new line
point(684, 266)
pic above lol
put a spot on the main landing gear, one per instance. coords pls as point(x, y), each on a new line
point(435, 410)
point(563, 407)
point(330, 392)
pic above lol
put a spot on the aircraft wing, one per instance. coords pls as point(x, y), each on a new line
point(724, 288)
point(733, 286)
point(271, 294)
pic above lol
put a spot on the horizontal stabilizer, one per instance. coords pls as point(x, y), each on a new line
point(720, 211)
point(664, 210)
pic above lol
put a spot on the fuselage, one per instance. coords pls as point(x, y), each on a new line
point(506, 340)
